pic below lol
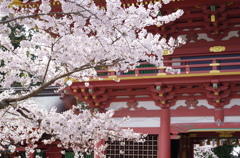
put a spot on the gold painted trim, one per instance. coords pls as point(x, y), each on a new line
point(218, 130)
point(214, 64)
point(192, 135)
point(114, 76)
point(214, 71)
point(161, 74)
point(168, 76)
point(163, 67)
point(217, 49)
point(225, 133)
point(167, 52)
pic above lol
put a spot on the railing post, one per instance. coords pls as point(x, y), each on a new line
point(187, 69)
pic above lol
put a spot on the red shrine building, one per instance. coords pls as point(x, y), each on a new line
point(177, 111)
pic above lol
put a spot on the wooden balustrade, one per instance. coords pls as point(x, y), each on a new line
point(191, 66)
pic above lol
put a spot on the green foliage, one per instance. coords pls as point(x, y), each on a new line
point(224, 151)
point(18, 33)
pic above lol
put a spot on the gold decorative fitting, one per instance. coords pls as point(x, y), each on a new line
point(214, 64)
point(163, 102)
point(82, 90)
point(213, 19)
point(217, 49)
point(192, 135)
point(225, 133)
point(215, 93)
point(217, 101)
point(74, 90)
point(163, 67)
point(112, 76)
point(161, 74)
point(96, 104)
point(214, 71)
point(160, 94)
point(94, 97)
point(167, 52)
point(85, 97)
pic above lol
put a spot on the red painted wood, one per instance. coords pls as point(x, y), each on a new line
point(183, 128)
point(102, 142)
point(164, 150)
point(174, 113)
point(53, 152)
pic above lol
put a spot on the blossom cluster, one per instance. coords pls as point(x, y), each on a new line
point(71, 42)
point(78, 38)
point(78, 132)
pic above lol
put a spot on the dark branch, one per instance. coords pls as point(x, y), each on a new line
point(40, 14)
point(6, 102)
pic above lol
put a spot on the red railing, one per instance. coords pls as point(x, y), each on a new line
point(191, 66)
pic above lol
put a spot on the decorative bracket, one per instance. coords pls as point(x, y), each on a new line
point(94, 97)
point(163, 95)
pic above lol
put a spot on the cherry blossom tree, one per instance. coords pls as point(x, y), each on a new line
point(204, 151)
point(71, 43)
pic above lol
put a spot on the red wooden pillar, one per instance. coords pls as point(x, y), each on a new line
point(102, 142)
point(31, 155)
point(164, 148)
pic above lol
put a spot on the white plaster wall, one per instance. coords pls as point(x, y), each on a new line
point(140, 122)
point(232, 103)
point(122, 97)
point(193, 119)
point(200, 103)
point(155, 121)
point(149, 105)
point(141, 96)
point(48, 102)
point(178, 104)
point(232, 119)
point(230, 35)
point(117, 105)
point(204, 36)
point(205, 103)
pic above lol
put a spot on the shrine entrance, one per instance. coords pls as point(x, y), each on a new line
point(223, 141)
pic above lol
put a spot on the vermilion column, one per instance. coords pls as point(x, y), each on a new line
point(31, 155)
point(164, 147)
point(102, 142)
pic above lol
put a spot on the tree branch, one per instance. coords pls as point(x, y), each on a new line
point(7, 101)
point(40, 14)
